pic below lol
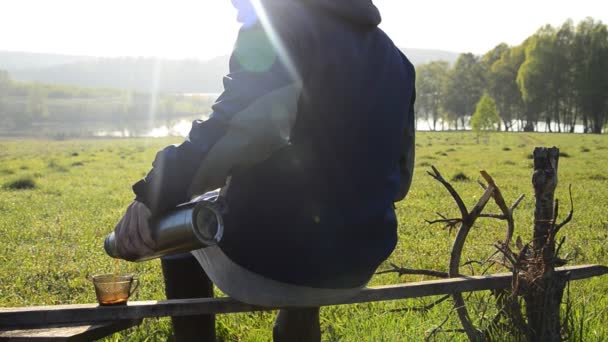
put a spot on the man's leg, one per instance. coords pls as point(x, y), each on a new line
point(185, 278)
point(297, 325)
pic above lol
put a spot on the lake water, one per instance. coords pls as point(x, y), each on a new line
point(182, 127)
point(179, 128)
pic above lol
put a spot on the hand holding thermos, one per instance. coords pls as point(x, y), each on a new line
point(190, 226)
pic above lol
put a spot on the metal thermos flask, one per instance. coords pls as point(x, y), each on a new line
point(190, 226)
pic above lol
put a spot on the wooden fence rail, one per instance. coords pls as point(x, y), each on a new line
point(25, 317)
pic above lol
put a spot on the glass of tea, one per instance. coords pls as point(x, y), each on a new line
point(112, 289)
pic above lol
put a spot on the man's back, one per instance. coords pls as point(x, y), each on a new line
point(318, 212)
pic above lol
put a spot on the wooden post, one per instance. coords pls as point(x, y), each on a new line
point(544, 181)
point(545, 288)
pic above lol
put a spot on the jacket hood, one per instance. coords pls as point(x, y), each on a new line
point(362, 12)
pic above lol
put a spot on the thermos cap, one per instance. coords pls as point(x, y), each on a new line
point(110, 245)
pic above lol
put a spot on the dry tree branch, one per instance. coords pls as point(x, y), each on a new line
point(409, 271)
point(468, 219)
point(502, 204)
point(494, 216)
point(508, 253)
point(459, 202)
point(491, 263)
point(465, 223)
point(569, 218)
point(459, 303)
point(559, 245)
point(511, 209)
point(449, 223)
point(500, 201)
point(438, 329)
point(471, 262)
point(423, 308)
point(517, 201)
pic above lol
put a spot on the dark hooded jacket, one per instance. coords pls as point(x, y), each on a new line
point(315, 129)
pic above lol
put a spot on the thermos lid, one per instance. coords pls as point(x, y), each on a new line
point(109, 245)
point(208, 223)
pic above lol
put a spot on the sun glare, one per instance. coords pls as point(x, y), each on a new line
point(275, 39)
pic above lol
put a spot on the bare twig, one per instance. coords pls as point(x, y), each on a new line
point(508, 253)
point(471, 262)
point(461, 206)
point(424, 308)
point(452, 331)
point(500, 201)
point(553, 230)
point(449, 223)
point(491, 263)
point(559, 245)
point(437, 329)
point(454, 269)
point(559, 226)
point(516, 204)
point(465, 223)
point(408, 271)
point(452, 221)
point(494, 216)
point(502, 204)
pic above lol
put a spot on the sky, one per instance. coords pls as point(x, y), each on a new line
point(204, 29)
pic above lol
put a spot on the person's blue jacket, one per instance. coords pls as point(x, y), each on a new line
point(315, 129)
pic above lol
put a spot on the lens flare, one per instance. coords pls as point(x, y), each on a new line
point(275, 39)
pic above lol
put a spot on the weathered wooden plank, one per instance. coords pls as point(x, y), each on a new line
point(61, 314)
point(73, 333)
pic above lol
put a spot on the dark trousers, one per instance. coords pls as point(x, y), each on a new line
point(297, 325)
point(184, 278)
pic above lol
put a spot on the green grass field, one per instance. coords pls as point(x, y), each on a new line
point(58, 200)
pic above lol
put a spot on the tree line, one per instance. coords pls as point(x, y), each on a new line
point(556, 79)
point(25, 104)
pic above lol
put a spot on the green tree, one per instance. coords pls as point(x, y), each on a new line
point(533, 76)
point(493, 56)
point(486, 117)
point(566, 113)
point(502, 85)
point(591, 80)
point(464, 87)
point(545, 77)
point(430, 83)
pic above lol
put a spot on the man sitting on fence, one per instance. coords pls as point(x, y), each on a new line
point(315, 129)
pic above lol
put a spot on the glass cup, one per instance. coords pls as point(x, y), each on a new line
point(114, 289)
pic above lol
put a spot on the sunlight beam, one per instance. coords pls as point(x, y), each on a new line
point(275, 39)
point(154, 89)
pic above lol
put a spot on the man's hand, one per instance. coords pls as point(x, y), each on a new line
point(132, 233)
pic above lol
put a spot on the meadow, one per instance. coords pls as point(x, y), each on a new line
point(59, 199)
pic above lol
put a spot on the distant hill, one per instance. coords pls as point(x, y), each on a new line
point(138, 73)
point(422, 56)
point(12, 61)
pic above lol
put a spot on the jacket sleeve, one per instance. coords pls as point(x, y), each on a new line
point(251, 119)
point(406, 161)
